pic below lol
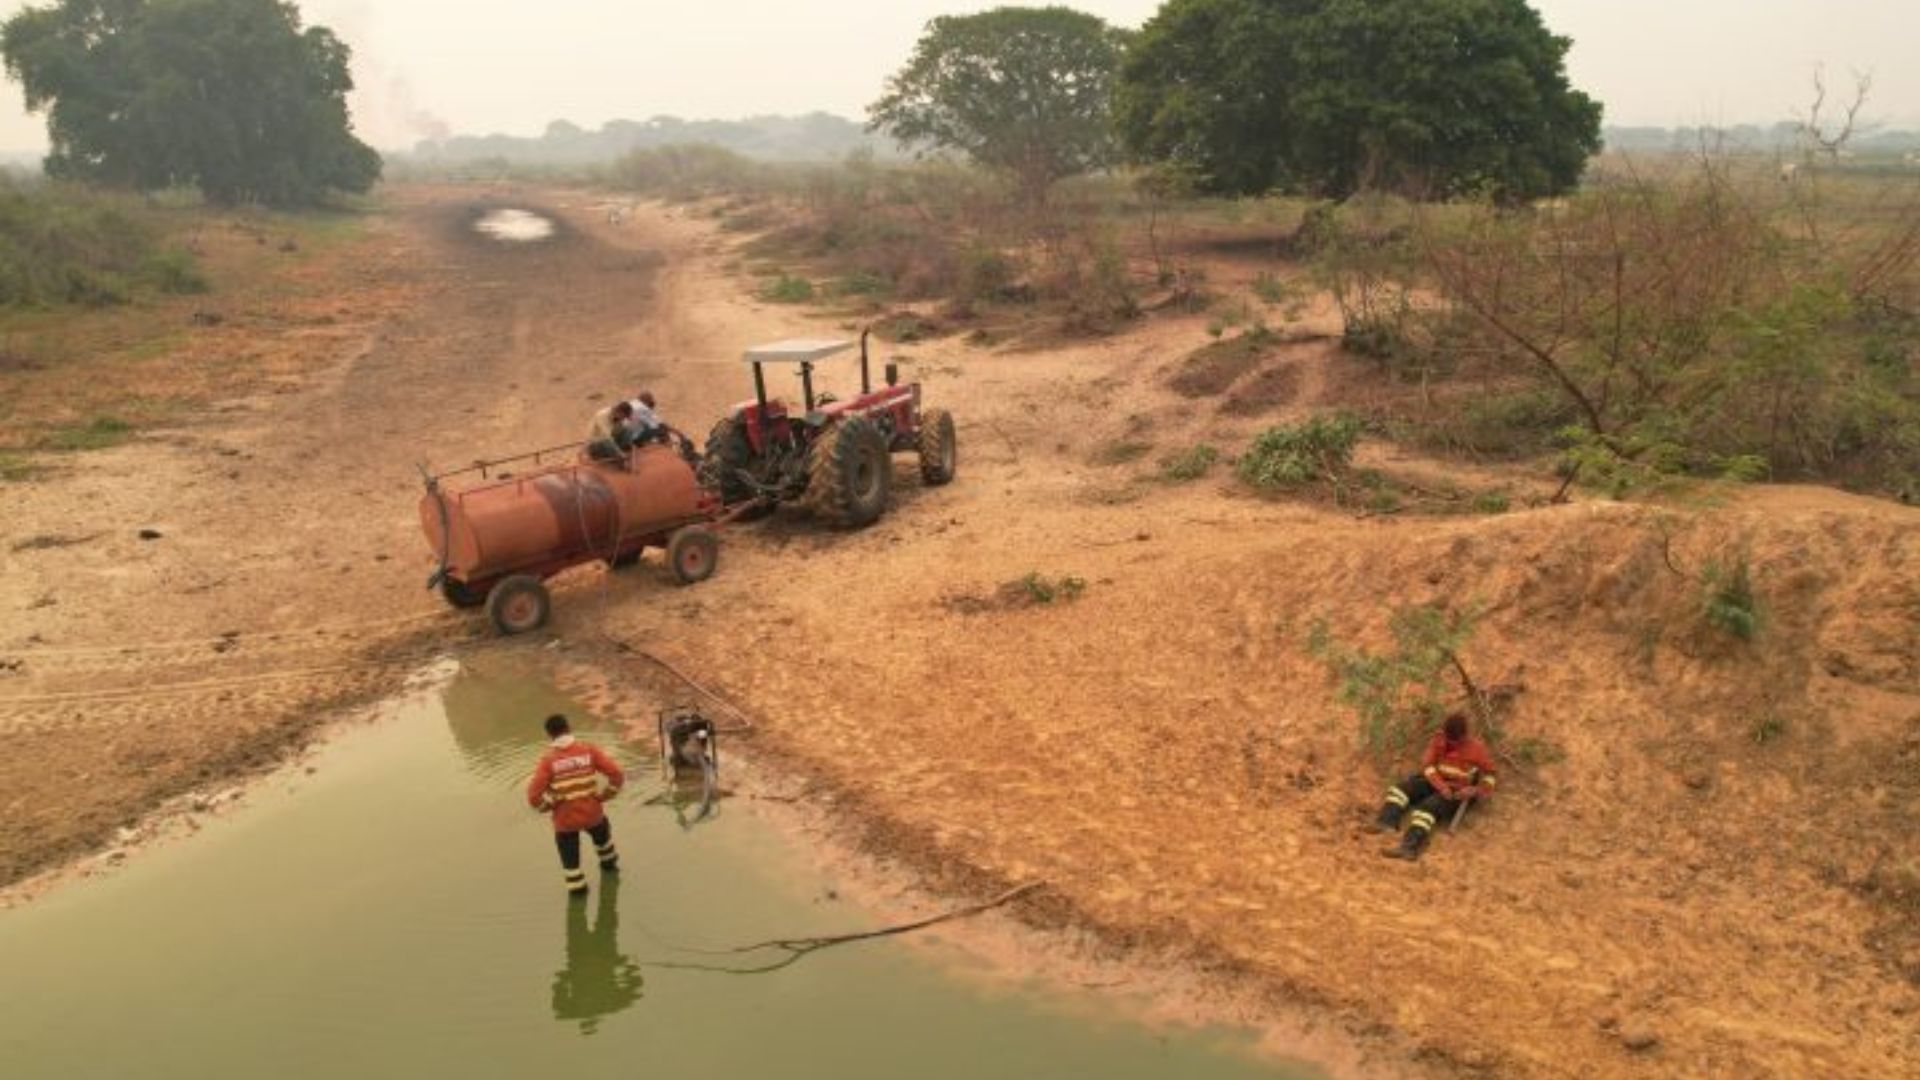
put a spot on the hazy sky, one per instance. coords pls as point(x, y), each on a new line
point(478, 66)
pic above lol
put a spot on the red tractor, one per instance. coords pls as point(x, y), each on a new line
point(836, 457)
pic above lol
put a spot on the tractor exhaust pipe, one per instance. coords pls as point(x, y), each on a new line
point(866, 370)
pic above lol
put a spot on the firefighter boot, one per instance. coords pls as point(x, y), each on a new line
point(609, 858)
point(1412, 843)
point(1391, 811)
point(1388, 819)
point(576, 882)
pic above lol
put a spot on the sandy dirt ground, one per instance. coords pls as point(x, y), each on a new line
point(1717, 878)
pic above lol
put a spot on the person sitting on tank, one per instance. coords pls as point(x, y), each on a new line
point(611, 433)
point(646, 423)
point(648, 427)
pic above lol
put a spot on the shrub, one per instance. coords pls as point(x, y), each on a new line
point(687, 171)
point(1729, 603)
point(987, 275)
point(1269, 288)
point(1121, 452)
point(1767, 727)
point(1398, 696)
point(787, 289)
point(1040, 589)
point(175, 271)
point(1189, 464)
point(62, 245)
point(96, 434)
point(860, 283)
point(15, 469)
point(1295, 455)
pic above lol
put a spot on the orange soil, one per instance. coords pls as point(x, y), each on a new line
point(1160, 749)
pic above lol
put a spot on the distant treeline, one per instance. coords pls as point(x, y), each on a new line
point(816, 136)
point(1785, 137)
point(824, 137)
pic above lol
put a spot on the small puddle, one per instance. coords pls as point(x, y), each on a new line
point(515, 226)
point(402, 915)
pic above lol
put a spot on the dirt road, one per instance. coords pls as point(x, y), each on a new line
point(1159, 748)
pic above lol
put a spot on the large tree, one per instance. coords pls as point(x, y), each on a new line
point(1025, 91)
point(230, 95)
point(1428, 97)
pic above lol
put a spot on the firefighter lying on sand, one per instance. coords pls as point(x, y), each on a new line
point(567, 785)
point(1456, 767)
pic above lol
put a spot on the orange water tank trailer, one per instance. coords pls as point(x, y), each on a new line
point(496, 534)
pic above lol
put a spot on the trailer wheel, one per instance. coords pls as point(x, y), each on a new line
point(850, 474)
point(519, 604)
point(939, 450)
point(461, 595)
point(693, 553)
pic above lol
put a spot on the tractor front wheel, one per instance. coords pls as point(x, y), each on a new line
point(692, 553)
point(850, 473)
point(939, 451)
point(519, 604)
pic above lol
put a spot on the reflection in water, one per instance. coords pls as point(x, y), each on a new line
point(515, 226)
point(598, 980)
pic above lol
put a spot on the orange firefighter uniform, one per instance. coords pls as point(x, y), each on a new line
point(1450, 770)
point(566, 784)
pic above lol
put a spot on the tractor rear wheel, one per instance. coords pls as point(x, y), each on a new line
point(939, 451)
point(850, 473)
point(519, 604)
point(692, 554)
point(728, 454)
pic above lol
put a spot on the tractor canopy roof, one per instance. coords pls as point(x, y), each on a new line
point(796, 351)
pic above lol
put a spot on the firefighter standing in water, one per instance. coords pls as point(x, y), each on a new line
point(1455, 768)
point(566, 785)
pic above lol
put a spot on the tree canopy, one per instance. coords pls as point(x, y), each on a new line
point(230, 95)
point(1428, 97)
point(1026, 91)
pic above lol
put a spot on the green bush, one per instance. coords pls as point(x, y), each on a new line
point(69, 246)
point(1729, 603)
point(860, 283)
point(1295, 455)
point(1270, 288)
point(16, 469)
point(1398, 696)
point(174, 271)
point(1121, 452)
point(1040, 589)
point(687, 171)
point(1189, 464)
point(96, 434)
point(787, 289)
point(1767, 727)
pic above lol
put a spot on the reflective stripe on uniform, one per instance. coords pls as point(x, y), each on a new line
point(1397, 797)
point(1422, 820)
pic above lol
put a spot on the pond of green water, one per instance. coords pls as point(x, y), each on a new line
point(402, 915)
